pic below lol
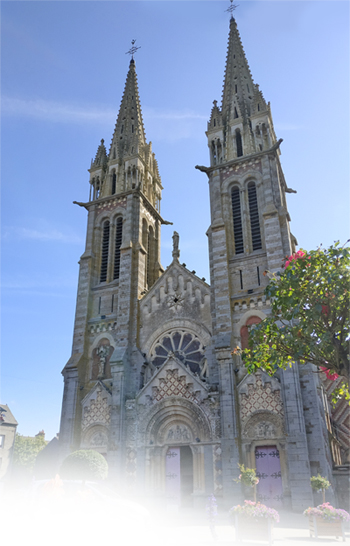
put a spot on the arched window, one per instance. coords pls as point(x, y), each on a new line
point(245, 331)
point(145, 246)
point(237, 220)
point(150, 257)
point(104, 253)
point(118, 243)
point(254, 217)
point(114, 182)
point(239, 143)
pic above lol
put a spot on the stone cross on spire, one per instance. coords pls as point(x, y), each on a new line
point(132, 50)
point(231, 8)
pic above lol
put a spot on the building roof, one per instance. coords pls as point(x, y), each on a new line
point(7, 417)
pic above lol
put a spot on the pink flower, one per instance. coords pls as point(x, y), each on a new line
point(293, 257)
point(329, 374)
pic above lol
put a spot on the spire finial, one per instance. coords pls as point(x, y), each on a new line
point(132, 50)
point(232, 8)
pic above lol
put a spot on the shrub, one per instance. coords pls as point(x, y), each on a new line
point(84, 464)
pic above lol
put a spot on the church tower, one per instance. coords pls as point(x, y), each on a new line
point(120, 263)
point(249, 234)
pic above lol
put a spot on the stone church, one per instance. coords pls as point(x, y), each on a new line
point(151, 382)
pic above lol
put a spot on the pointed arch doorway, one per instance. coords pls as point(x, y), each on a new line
point(179, 476)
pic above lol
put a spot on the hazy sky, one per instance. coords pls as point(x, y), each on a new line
point(63, 73)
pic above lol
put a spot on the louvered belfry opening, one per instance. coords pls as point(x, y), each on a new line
point(104, 257)
point(114, 183)
point(237, 221)
point(118, 243)
point(254, 217)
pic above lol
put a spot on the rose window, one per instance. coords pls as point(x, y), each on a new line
point(184, 345)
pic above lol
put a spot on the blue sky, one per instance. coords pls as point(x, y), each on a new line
point(63, 73)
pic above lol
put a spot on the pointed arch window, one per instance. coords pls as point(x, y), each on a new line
point(118, 244)
point(104, 253)
point(150, 257)
point(237, 220)
point(114, 182)
point(239, 143)
point(145, 246)
point(254, 216)
point(235, 115)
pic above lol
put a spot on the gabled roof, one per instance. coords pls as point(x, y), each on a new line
point(7, 417)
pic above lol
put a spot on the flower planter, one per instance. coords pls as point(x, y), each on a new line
point(253, 528)
point(320, 527)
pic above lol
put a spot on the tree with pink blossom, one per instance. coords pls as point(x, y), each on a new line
point(309, 320)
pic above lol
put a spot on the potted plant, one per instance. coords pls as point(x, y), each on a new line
point(318, 483)
point(249, 478)
point(254, 521)
point(326, 521)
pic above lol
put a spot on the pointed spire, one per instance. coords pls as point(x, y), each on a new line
point(101, 156)
point(129, 133)
point(239, 88)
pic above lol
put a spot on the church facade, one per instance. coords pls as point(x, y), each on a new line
point(151, 382)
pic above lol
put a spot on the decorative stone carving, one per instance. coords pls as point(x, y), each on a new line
point(99, 439)
point(97, 409)
point(179, 434)
point(175, 301)
point(217, 462)
point(259, 396)
point(263, 425)
point(174, 385)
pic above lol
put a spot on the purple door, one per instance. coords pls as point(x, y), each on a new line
point(173, 476)
point(268, 470)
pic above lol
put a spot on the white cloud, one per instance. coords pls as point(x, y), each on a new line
point(43, 235)
point(58, 112)
point(55, 111)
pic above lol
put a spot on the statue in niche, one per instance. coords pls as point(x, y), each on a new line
point(102, 352)
point(176, 239)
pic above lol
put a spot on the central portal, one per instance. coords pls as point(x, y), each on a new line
point(179, 476)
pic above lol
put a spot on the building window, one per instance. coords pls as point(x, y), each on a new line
point(254, 217)
point(104, 257)
point(237, 221)
point(2, 440)
point(114, 183)
point(239, 143)
point(245, 331)
point(150, 257)
point(145, 246)
point(118, 243)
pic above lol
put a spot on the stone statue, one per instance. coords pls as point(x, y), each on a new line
point(176, 251)
point(102, 352)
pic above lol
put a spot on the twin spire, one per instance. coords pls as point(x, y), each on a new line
point(240, 95)
point(129, 132)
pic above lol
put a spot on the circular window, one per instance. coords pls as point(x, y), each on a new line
point(184, 345)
